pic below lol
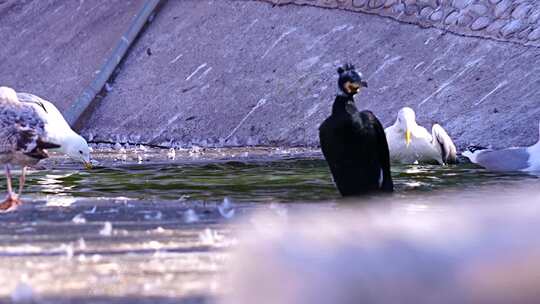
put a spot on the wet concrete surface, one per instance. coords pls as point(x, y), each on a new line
point(150, 253)
point(100, 247)
point(120, 251)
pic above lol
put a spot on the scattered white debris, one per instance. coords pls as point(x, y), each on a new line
point(81, 244)
point(500, 85)
point(210, 237)
point(226, 209)
point(159, 230)
point(176, 59)
point(91, 211)
point(196, 71)
point(205, 72)
point(155, 245)
point(106, 230)
point(278, 209)
point(259, 104)
point(190, 216)
point(25, 229)
point(195, 150)
point(151, 17)
point(285, 34)
point(413, 184)
point(171, 154)
point(79, 219)
point(60, 201)
point(117, 146)
point(81, 258)
point(123, 157)
point(154, 216)
point(23, 293)
point(68, 249)
point(184, 197)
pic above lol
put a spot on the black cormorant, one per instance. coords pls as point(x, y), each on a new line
point(354, 143)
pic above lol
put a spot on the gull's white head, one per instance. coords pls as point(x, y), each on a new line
point(8, 94)
point(77, 148)
point(406, 121)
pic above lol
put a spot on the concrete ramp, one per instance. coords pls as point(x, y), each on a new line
point(250, 73)
point(227, 73)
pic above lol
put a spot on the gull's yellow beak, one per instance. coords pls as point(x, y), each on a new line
point(88, 165)
point(408, 137)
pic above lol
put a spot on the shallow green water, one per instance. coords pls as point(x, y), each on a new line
point(287, 180)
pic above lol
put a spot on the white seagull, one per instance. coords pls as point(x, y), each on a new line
point(525, 159)
point(22, 140)
point(410, 143)
point(57, 130)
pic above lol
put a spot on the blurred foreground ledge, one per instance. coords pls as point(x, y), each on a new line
point(450, 248)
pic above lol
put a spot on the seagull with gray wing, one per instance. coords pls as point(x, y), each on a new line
point(410, 143)
point(22, 141)
point(525, 159)
point(58, 130)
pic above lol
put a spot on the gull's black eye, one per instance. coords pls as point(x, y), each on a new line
point(80, 152)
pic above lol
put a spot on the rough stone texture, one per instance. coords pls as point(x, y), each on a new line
point(465, 17)
point(53, 47)
point(246, 72)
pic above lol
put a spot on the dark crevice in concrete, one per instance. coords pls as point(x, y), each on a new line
point(215, 146)
point(106, 142)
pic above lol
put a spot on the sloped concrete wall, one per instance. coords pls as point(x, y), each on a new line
point(249, 72)
point(54, 47)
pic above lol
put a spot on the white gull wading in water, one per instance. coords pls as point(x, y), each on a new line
point(57, 130)
point(410, 143)
point(526, 159)
point(22, 140)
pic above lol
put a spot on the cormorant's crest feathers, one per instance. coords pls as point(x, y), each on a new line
point(345, 67)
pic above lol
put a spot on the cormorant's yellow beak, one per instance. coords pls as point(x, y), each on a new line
point(88, 165)
point(408, 137)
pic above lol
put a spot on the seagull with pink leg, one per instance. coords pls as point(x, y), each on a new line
point(22, 141)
